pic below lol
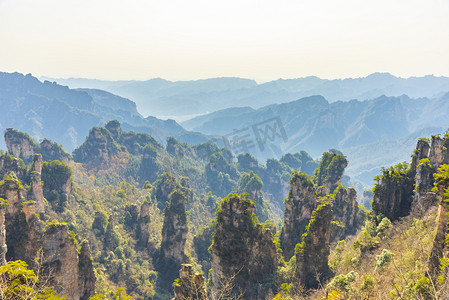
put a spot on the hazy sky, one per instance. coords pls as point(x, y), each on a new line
point(184, 39)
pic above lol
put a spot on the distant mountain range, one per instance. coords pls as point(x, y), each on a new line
point(372, 133)
point(49, 110)
point(181, 99)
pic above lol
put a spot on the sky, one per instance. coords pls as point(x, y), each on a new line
point(263, 40)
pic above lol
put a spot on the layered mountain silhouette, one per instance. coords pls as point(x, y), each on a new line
point(49, 110)
point(159, 97)
point(371, 133)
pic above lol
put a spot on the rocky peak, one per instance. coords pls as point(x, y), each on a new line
point(438, 151)
point(142, 228)
point(87, 277)
point(53, 151)
point(393, 192)
point(242, 250)
point(299, 206)
point(251, 184)
point(114, 128)
point(346, 215)
point(330, 170)
point(97, 148)
point(23, 235)
point(421, 152)
point(174, 235)
point(20, 144)
point(313, 252)
point(36, 183)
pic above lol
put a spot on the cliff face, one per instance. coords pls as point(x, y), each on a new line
point(242, 251)
point(25, 236)
point(36, 183)
point(393, 194)
point(299, 206)
point(313, 252)
point(142, 227)
point(21, 145)
point(201, 243)
point(174, 234)
point(87, 277)
point(105, 142)
point(401, 190)
point(346, 215)
point(97, 148)
point(440, 247)
point(191, 285)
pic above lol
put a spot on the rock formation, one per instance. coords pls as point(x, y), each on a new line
point(201, 243)
point(87, 277)
point(36, 183)
point(330, 171)
point(393, 194)
point(251, 184)
point(25, 236)
point(299, 206)
point(243, 251)
point(142, 227)
point(174, 234)
point(190, 285)
point(313, 252)
point(346, 215)
point(97, 148)
point(21, 145)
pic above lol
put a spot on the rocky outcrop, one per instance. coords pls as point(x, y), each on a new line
point(114, 128)
point(26, 237)
point(299, 206)
point(36, 183)
point(142, 227)
point(243, 251)
point(439, 152)
point(330, 171)
point(312, 253)
point(60, 257)
point(87, 277)
point(97, 148)
point(163, 187)
point(20, 144)
point(251, 184)
point(424, 196)
point(190, 285)
point(421, 152)
point(440, 246)
point(393, 193)
point(346, 215)
point(174, 234)
point(53, 151)
point(201, 243)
